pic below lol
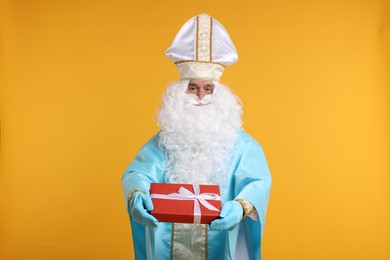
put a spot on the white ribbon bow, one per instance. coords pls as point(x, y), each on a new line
point(184, 194)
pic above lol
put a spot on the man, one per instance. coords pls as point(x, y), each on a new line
point(200, 142)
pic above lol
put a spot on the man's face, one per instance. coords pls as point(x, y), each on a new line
point(200, 87)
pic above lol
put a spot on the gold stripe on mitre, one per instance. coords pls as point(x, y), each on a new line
point(204, 38)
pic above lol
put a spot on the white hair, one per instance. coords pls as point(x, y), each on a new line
point(198, 140)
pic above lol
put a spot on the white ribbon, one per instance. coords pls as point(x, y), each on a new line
point(184, 194)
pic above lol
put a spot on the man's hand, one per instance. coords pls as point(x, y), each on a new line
point(139, 206)
point(231, 215)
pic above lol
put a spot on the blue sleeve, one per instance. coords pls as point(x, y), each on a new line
point(146, 168)
point(252, 177)
point(252, 182)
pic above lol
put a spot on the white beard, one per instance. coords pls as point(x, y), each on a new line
point(198, 140)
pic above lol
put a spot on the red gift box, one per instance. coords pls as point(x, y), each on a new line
point(185, 203)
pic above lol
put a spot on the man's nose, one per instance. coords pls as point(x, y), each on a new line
point(201, 94)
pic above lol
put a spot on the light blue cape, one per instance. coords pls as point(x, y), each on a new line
point(248, 178)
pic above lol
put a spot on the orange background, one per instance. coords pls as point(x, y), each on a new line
point(81, 81)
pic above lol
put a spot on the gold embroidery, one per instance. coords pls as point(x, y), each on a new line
point(211, 39)
point(245, 207)
point(213, 62)
point(172, 239)
point(206, 241)
point(132, 193)
point(197, 34)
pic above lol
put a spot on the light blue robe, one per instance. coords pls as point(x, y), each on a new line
point(249, 178)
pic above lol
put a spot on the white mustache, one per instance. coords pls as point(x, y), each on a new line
point(193, 99)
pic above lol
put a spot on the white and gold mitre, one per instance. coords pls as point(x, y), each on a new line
point(202, 49)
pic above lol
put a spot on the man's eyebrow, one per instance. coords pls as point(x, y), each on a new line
point(210, 85)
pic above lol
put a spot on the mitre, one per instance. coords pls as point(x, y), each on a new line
point(202, 49)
